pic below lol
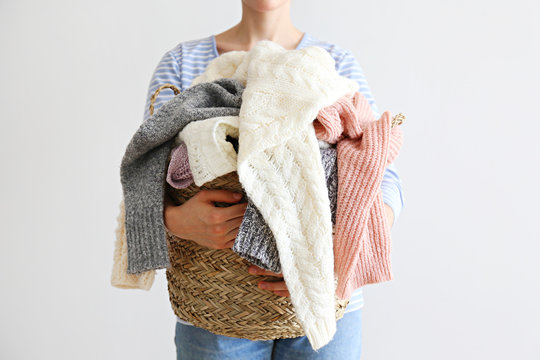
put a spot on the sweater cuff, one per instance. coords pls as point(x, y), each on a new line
point(146, 239)
point(122, 280)
point(321, 332)
point(255, 241)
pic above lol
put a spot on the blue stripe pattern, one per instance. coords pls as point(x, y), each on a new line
point(180, 65)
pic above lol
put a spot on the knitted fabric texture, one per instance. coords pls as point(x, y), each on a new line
point(280, 168)
point(119, 276)
point(179, 174)
point(210, 154)
point(143, 167)
point(255, 241)
point(365, 146)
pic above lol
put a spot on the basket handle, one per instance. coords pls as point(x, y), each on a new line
point(156, 93)
point(398, 119)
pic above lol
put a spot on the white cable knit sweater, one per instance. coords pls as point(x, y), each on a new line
point(279, 165)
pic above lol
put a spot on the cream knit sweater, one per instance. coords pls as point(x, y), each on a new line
point(279, 165)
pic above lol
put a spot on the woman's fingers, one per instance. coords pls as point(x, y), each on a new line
point(221, 214)
point(234, 211)
point(255, 270)
point(231, 235)
point(232, 227)
point(273, 285)
point(278, 287)
point(226, 231)
point(229, 244)
point(218, 195)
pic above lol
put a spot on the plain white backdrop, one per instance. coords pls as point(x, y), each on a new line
point(73, 82)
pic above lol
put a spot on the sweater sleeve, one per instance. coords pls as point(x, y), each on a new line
point(391, 186)
point(166, 72)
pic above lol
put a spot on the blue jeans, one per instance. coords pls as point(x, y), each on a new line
point(193, 343)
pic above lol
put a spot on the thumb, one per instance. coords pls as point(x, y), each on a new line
point(220, 196)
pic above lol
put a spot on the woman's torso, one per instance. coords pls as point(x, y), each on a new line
point(180, 65)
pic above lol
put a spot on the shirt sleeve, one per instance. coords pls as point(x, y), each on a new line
point(392, 190)
point(166, 72)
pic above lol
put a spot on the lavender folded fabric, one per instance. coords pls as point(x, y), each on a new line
point(179, 174)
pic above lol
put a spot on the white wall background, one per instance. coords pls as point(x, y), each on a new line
point(74, 76)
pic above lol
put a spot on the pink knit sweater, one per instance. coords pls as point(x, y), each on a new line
point(365, 146)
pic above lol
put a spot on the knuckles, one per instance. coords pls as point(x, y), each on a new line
point(202, 193)
point(217, 230)
point(218, 245)
point(217, 241)
point(215, 217)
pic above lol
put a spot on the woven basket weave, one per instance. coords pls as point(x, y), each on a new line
point(213, 290)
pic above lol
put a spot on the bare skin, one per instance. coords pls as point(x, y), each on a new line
point(202, 222)
point(261, 20)
point(198, 219)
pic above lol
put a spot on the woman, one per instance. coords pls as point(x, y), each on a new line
point(198, 220)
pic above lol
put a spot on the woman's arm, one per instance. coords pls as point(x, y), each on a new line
point(166, 72)
point(197, 219)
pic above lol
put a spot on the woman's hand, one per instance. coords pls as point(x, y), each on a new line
point(277, 287)
point(199, 220)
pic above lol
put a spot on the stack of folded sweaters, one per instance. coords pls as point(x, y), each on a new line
point(309, 155)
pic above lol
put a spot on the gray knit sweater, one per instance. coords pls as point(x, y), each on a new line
point(144, 166)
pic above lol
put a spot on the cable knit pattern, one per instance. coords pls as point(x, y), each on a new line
point(365, 146)
point(255, 241)
point(280, 167)
point(210, 154)
point(179, 174)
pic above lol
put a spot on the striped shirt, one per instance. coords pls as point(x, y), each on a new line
point(180, 65)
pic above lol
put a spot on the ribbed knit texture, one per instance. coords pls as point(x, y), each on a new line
point(119, 276)
point(279, 166)
point(365, 146)
point(179, 174)
point(144, 166)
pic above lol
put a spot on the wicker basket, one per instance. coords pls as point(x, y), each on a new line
point(213, 290)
